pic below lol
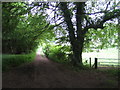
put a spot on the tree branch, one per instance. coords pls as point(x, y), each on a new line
point(106, 17)
point(94, 13)
point(111, 15)
point(107, 6)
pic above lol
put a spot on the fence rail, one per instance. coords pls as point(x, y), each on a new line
point(99, 63)
point(107, 62)
point(109, 58)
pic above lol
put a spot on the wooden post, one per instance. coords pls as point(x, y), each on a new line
point(90, 62)
point(95, 63)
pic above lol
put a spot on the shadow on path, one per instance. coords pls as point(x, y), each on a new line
point(43, 73)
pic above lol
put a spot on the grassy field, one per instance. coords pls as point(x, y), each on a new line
point(9, 61)
point(107, 57)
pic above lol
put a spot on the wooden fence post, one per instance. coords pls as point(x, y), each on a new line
point(96, 63)
point(90, 62)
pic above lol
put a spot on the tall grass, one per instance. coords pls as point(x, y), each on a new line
point(9, 60)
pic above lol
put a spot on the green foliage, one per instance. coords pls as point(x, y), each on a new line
point(9, 61)
point(62, 54)
point(10, 19)
point(23, 31)
point(57, 53)
point(101, 38)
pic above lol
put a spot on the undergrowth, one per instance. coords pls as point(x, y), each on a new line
point(9, 60)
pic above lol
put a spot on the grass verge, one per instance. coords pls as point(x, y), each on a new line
point(9, 60)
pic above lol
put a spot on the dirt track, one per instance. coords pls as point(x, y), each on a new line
point(43, 73)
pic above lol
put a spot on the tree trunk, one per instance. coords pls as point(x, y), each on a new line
point(80, 34)
point(77, 53)
point(76, 42)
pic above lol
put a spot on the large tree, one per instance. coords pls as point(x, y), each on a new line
point(77, 18)
point(77, 41)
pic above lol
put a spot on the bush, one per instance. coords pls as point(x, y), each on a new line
point(57, 53)
point(9, 61)
point(62, 54)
